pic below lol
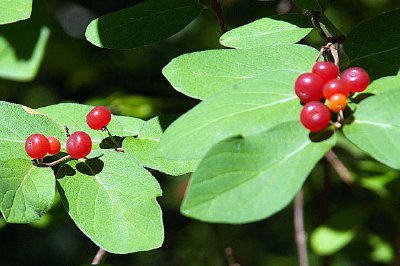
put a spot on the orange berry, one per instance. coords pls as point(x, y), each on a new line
point(337, 102)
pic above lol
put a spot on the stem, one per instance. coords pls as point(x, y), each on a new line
point(100, 257)
point(339, 167)
point(299, 229)
point(216, 6)
point(112, 138)
point(331, 48)
point(67, 157)
point(66, 129)
point(230, 258)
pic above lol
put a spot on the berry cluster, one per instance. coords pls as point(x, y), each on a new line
point(324, 83)
point(79, 143)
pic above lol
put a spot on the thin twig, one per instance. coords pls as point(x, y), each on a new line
point(111, 137)
point(339, 167)
point(66, 129)
point(216, 6)
point(100, 257)
point(329, 47)
point(65, 158)
point(325, 34)
point(230, 258)
point(300, 234)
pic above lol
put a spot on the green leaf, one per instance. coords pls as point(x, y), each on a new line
point(375, 45)
point(142, 24)
point(131, 125)
point(14, 10)
point(312, 5)
point(338, 231)
point(73, 116)
point(263, 32)
point(384, 84)
point(201, 74)
point(17, 123)
point(22, 47)
point(247, 108)
point(245, 179)
point(376, 128)
point(112, 199)
point(26, 191)
point(143, 148)
point(378, 183)
point(382, 250)
point(327, 241)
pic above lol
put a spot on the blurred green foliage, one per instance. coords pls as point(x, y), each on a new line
point(131, 83)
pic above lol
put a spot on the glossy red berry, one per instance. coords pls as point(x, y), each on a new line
point(37, 146)
point(55, 145)
point(356, 79)
point(337, 102)
point(79, 145)
point(326, 70)
point(335, 86)
point(98, 118)
point(315, 116)
point(308, 87)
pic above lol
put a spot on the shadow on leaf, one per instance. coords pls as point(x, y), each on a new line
point(65, 170)
point(321, 136)
point(108, 142)
point(361, 97)
point(91, 166)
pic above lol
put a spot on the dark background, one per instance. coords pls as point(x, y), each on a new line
point(131, 83)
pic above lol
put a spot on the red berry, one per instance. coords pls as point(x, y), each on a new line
point(326, 70)
point(337, 102)
point(37, 146)
point(98, 118)
point(356, 79)
point(308, 87)
point(55, 145)
point(335, 86)
point(79, 145)
point(315, 116)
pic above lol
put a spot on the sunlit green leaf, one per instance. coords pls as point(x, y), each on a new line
point(384, 84)
point(14, 10)
point(202, 74)
point(376, 128)
point(112, 199)
point(245, 179)
point(145, 145)
point(263, 32)
point(250, 107)
point(26, 191)
point(327, 241)
point(73, 116)
point(131, 125)
point(17, 123)
point(382, 250)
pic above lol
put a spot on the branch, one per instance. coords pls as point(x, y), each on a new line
point(230, 258)
point(100, 257)
point(65, 158)
point(300, 235)
point(329, 47)
point(216, 6)
point(339, 167)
